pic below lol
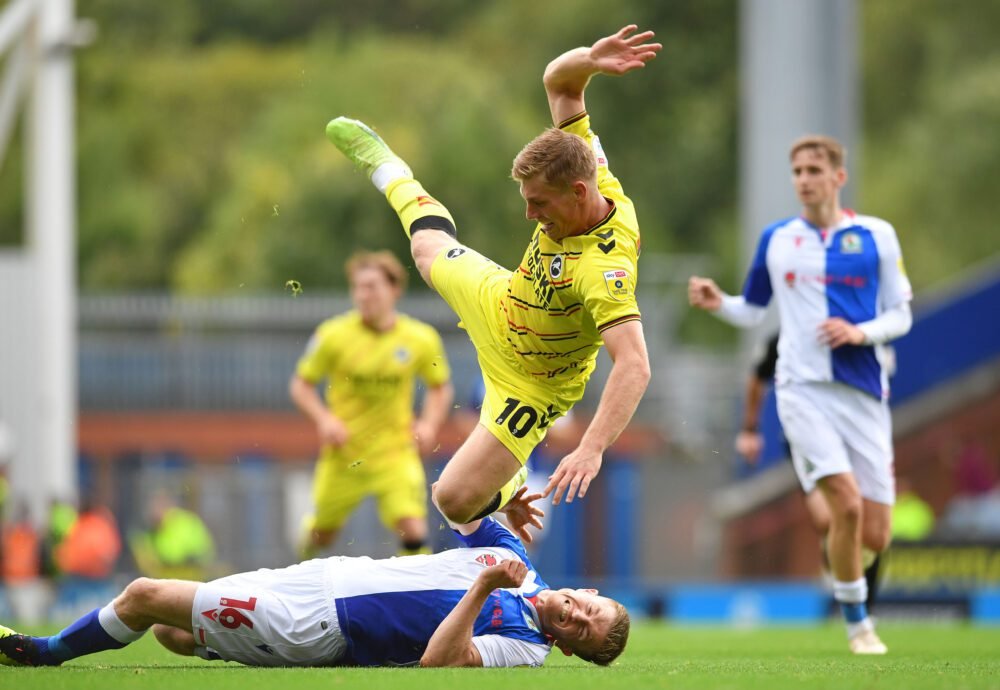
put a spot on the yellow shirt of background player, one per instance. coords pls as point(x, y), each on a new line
point(370, 378)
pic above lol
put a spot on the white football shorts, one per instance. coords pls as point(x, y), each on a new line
point(284, 617)
point(832, 429)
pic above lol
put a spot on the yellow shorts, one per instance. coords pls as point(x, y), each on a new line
point(516, 408)
point(397, 481)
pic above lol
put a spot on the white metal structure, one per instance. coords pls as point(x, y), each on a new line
point(38, 280)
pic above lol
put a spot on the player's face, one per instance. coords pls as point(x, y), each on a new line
point(578, 619)
point(560, 211)
point(374, 296)
point(817, 183)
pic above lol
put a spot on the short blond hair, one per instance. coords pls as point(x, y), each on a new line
point(614, 643)
point(559, 157)
point(820, 143)
point(383, 260)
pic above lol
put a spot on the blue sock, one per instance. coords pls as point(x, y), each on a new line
point(85, 636)
point(854, 613)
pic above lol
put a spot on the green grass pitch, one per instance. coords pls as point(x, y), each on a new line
point(946, 657)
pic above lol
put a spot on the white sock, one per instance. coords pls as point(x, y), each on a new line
point(114, 626)
point(851, 592)
point(389, 172)
point(855, 629)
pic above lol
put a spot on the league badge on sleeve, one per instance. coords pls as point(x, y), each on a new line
point(618, 283)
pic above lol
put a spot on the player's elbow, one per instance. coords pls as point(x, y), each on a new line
point(467, 657)
point(639, 370)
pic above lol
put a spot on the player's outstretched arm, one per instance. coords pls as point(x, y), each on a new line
point(451, 644)
point(567, 76)
point(622, 392)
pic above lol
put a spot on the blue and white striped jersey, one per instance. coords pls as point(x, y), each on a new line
point(389, 608)
point(853, 271)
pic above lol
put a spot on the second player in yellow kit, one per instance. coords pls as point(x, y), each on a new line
point(370, 359)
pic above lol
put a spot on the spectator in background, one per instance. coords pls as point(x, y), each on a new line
point(6, 455)
point(177, 545)
point(371, 445)
point(62, 515)
point(92, 545)
point(912, 517)
point(26, 593)
point(974, 512)
point(21, 547)
point(86, 560)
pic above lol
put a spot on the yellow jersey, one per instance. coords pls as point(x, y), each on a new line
point(565, 293)
point(370, 378)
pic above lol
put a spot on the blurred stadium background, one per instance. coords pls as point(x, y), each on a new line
point(164, 173)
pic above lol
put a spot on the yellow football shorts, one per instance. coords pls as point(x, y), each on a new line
point(516, 409)
point(340, 484)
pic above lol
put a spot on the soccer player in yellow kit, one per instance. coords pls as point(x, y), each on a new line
point(371, 445)
point(537, 330)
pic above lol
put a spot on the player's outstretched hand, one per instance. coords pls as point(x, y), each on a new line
point(704, 293)
point(520, 513)
point(623, 51)
point(509, 573)
point(573, 475)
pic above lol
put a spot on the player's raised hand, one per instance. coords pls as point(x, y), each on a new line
point(509, 573)
point(623, 51)
point(520, 513)
point(703, 293)
point(573, 475)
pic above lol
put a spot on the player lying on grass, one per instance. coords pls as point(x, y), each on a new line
point(481, 605)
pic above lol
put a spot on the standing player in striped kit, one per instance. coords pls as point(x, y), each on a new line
point(842, 294)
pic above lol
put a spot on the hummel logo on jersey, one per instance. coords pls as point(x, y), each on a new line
point(455, 252)
point(606, 247)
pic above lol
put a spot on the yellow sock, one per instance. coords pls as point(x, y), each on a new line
point(511, 487)
point(421, 550)
point(411, 202)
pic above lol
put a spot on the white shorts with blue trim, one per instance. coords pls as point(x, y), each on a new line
point(834, 429)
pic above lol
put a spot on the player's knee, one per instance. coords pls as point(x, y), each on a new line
point(844, 499)
point(425, 246)
point(137, 595)
point(457, 504)
point(877, 539)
